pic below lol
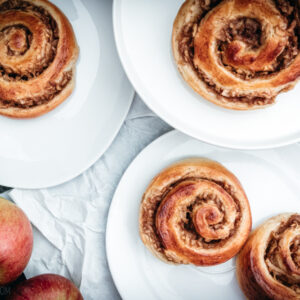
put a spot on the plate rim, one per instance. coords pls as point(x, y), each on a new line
point(109, 224)
point(171, 120)
point(98, 154)
point(88, 165)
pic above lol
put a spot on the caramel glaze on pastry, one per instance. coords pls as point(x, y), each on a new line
point(268, 267)
point(38, 52)
point(195, 212)
point(238, 54)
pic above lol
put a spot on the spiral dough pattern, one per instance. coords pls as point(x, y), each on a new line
point(38, 52)
point(268, 267)
point(195, 212)
point(238, 54)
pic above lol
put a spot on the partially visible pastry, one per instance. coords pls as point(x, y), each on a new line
point(195, 212)
point(238, 54)
point(38, 54)
point(268, 267)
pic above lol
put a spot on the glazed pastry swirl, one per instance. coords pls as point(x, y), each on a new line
point(269, 265)
point(38, 52)
point(238, 54)
point(195, 212)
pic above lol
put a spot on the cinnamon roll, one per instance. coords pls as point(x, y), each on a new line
point(195, 212)
point(38, 53)
point(268, 267)
point(238, 54)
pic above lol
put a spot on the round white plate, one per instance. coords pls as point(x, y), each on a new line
point(143, 31)
point(270, 179)
point(60, 145)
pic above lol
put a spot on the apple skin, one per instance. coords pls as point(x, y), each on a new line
point(46, 287)
point(16, 241)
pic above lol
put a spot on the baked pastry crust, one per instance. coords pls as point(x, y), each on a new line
point(38, 53)
point(238, 54)
point(268, 267)
point(194, 212)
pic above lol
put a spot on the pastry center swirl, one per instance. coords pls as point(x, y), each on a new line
point(28, 35)
point(283, 254)
point(198, 212)
point(246, 49)
point(17, 38)
point(213, 214)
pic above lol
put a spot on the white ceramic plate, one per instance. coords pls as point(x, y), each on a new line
point(143, 31)
point(270, 179)
point(58, 146)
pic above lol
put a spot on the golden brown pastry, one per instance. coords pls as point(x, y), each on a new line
point(38, 53)
point(238, 54)
point(195, 212)
point(268, 267)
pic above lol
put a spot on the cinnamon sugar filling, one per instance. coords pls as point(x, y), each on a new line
point(276, 261)
point(51, 90)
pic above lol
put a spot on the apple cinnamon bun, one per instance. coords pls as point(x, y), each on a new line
point(195, 212)
point(238, 54)
point(268, 267)
point(38, 53)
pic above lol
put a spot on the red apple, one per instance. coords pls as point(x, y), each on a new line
point(46, 287)
point(16, 241)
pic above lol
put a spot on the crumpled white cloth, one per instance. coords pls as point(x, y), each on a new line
point(70, 220)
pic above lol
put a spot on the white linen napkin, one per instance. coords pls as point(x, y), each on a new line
point(70, 220)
